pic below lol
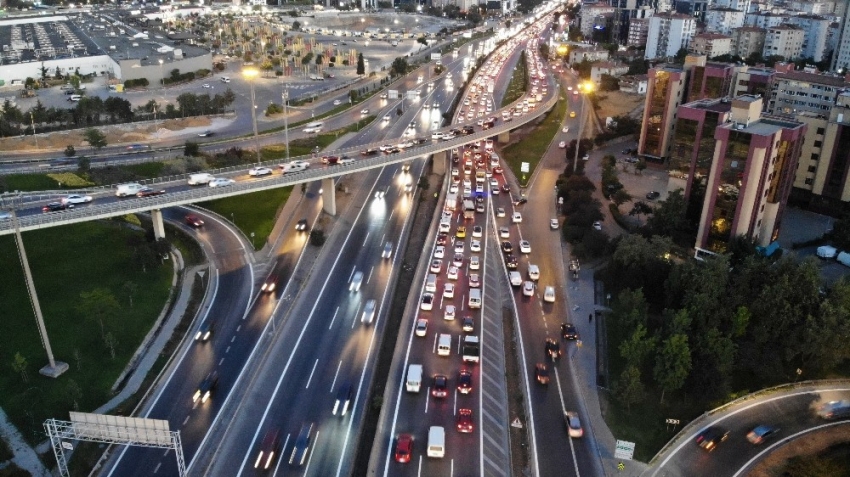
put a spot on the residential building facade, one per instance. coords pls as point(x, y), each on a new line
point(794, 92)
point(638, 30)
point(665, 92)
point(723, 20)
point(711, 44)
point(747, 40)
point(815, 33)
point(709, 80)
point(785, 41)
point(668, 33)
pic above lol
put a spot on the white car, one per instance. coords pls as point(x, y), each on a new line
point(474, 262)
point(457, 260)
point(356, 281)
point(427, 302)
point(436, 265)
point(459, 246)
point(500, 212)
point(553, 224)
point(474, 280)
point(364, 112)
point(453, 188)
point(524, 246)
point(76, 199)
point(549, 294)
point(516, 218)
point(562, 144)
point(566, 129)
point(504, 232)
point(219, 182)
point(449, 314)
point(337, 102)
point(449, 291)
point(206, 85)
point(387, 118)
point(437, 135)
point(445, 227)
point(368, 312)
point(528, 288)
point(475, 246)
point(452, 273)
point(597, 225)
point(259, 171)
point(421, 327)
point(439, 251)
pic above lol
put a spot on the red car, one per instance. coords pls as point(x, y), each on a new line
point(268, 448)
point(464, 381)
point(148, 192)
point(194, 220)
point(404, 448)
point(464, 421)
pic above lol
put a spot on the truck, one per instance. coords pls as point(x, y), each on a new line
point(471, 350)
point(468, 209)
point(451, 201)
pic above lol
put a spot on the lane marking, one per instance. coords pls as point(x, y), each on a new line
point(310, 379)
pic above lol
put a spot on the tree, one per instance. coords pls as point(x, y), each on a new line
point(840, 234)
point(130, 288)
point(74, 393)
point(361, 64)
point(317, 237)
point(630, 310)
point(637, 347)
point(672, 364)
point(422, 40)
point(19, 365)
point(629, 389)
point(399, 67)
point(83, 165)
point(191, 149)
point(95, 138)
point(621, 197)
point(99, 305)
point(296, 25)
point(70, 151)
point(111, 343)
point(669, 218)
point(640, 208)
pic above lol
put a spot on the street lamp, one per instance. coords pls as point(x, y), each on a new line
point(250, 74)
point(285, 98)
point(587, 88)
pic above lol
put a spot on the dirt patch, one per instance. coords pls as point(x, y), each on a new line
point(814, 443)
point(617, 103)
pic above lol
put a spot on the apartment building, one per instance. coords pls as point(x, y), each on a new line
point(747, 40)
point(668, 33)
point(711, 44)
point(785, 41)
point(665, 92)
point(594, 14)
point(693, 8)
point(638, 30)
point(577, 55)
point(841, 57)
point(764, 19)
point(723, 20)
point(708, 80)
point(793, 92)
point(753, 80)
point(815, 33)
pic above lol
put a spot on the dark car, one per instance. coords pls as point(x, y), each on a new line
point(206, 133)
point(268, 449)
point(206, 388)
point(194, 220)
point(709, 438)
point(343, 399)
point(149, 192)
point(464, 421)
point(506, 187)
point(761, 433)
point(302, 445)
point(62, 162)
point(369, 152)
point(205, 331)
point(653, 195)
point(568, 331)
point(510, 261)
point(404, 448)
point(442, 237)
point(522, 200)
point(464, 381)
point(270, 284)
point(553, 348)
point(56, 206)
point(507, 247)
point(441, 386)
point(301, 225)
point(541, 373)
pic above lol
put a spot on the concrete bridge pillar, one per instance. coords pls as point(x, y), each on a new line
point(504, 137)
point(329, 195)
point(158, 225)
point(438, 162)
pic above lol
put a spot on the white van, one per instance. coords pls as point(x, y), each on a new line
point(444, 344)
point(533, 272)
point(414, 378)
point(200, 179)
point(225, 79)
point(431, 283)
point(474, 298)
point(516, 278)
point(313, 127)
point(436, 442)
point(124, 190)
point(75, 97)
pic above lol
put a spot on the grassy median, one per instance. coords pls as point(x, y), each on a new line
point(533, 146)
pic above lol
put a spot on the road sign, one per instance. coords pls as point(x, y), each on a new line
point(392, 94)
point(621, 466)
point(624, 450)
point(412, 95)
point(67, 445)
point(675, 422)
point(524, 167)
point(436, 56)
point(516, 423)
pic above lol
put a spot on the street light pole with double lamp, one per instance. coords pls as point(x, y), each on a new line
point(251, 74)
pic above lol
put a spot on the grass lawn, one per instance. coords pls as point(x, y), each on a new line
point(255, 212)
point(66, 261)
point(531, 148)
point(518, 84)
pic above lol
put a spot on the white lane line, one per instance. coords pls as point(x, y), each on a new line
point(333, 384)
point(280, 460)
point(365, 240)
point(427, 398)
point(227, 350)
point(334, 318)
point(563, 410)
point(371, 271)
point(156, 469)
point(220, 361)
point(434, 348)
point(784, 441)
point(310, 379)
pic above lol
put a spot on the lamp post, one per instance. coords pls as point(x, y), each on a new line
point(586, 87)
point(251, 74)
point(285, 99)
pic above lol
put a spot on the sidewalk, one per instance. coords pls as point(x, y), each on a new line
point(25, 456)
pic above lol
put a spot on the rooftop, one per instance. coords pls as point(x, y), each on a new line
point(712, 104)
point(713, 36)
point(830, 80)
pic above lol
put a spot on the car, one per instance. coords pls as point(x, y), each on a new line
point(517, 217)
point(380, 193)
point(301, 225)
point(498, 170)
point(760, 433)
point(388, 250)
point(268, 449)
point(585, 157)
point(368, 312)
point(568, 331)
point(565, 129)
point(137, 147)
point(474, 280)
point(468, 324)
point(205, 389)
point(440, 388)
point(459, 246)
point(206, 85)
point(549, 294)
point(403, 448)
point(573, 424)
point(302, 445)
point(205, 331)
point(56, 206)
point(464, 381)
point(500, 212)
point(343, 399)
point(259, 171)
point(524, 246)
point(270, 284)
point(436, 265)
point(206, 133)
point(77, 199)
point(369, 152)
point(457, 260)
point(439, 251)
point(562, 144)
point(504, 232)
point(475, 246)
point(221, 182)
point(710, 437)
point(461, 232)
point(553, 224)
point(597, 225)
point(528, 288)
point(653, 195)
point(464, 421)
point(427, 302)
point(149, 192)
point(337, 102)
point(477, 231)
point(452, 273)
point(553, 348)
point(450, 313)
point(193, 220)
point(834, 409)
point(541, 373)
point(511, 261)
point(449, 290)
point(356, 281)
point(421, 327)
point(442, 238)
point(474, 262)
point(364, 112)
point(506, 187)
point(572, 114)
point(507, 247)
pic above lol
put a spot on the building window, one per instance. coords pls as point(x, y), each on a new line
point(820, 131)
point(818, 143)
point(815, 157)
point(813, 168)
